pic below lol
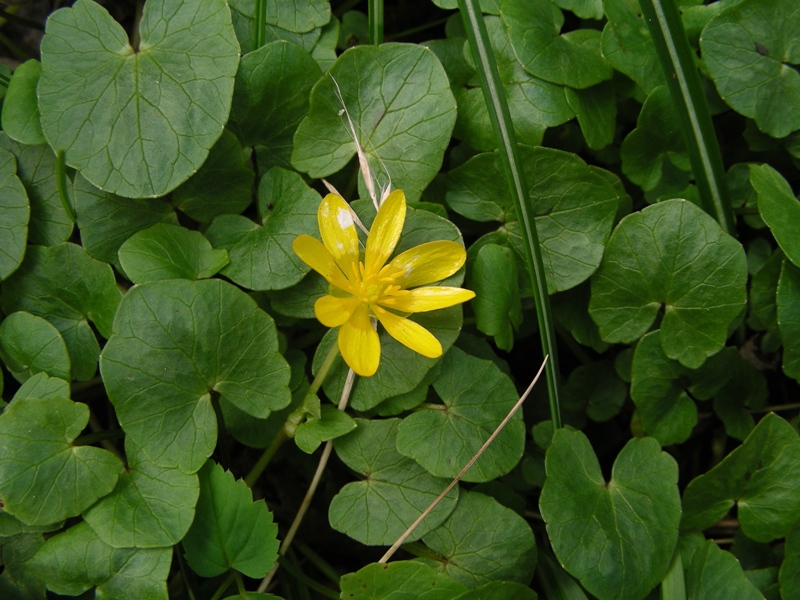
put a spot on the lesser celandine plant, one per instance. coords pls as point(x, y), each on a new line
point(274, 272)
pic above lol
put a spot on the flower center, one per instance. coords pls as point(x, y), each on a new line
point(372, 288)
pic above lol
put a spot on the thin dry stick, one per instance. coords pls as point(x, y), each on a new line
point(312, 488)
point(455, 481)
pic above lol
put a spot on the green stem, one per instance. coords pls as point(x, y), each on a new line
point(500, 117)
point(678, 63)
point(240, 583)
point(673, 586)
point(300, 576)
point(316, 560)
point(61, 184)
point(260, 25)
point(178, 551)
point(375, 17)
point(267, 455)
point(15, 49)
point(226, 583)
point(21, 21)
point(414, 30)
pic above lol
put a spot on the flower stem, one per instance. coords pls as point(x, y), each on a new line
point(375, 19)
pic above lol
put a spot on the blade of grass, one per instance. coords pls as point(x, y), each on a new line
point(260, 24)
point(494, 95)
point(678, 63)
point(375, 19)
point(673, 586)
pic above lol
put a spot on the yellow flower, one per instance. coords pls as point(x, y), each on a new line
point(364, 288)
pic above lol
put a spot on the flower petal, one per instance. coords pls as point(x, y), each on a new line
point(333, 311)
point(410, 334)
point(427, 298)
point(385, 231)
point(338, 232)
point(429, 262)
point(311, 251)
point(359, 343)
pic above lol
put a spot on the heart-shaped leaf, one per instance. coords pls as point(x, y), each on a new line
point(30, 345)
point(138, 121)
point(20, 106)
point(715, 574)
point(14, 215)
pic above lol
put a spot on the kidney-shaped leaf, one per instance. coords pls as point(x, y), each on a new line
point(617, 537)
point(30, 345)
point(670, 256)
point(760, 476)
point(476, 397)
point(177, 342)
point(230, 531)
point(403, 111)
point(43, 477)
point(151, 506)
point(398, 581)
point(715, 574)
point(779, 208)
point(20, 107)
point(138, 121)
point(393, 493)
point(14, 215)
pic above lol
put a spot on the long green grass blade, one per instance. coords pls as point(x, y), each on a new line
point(375, 22)
point(260, 24)
point(501, 122)
point(678, 62)
point(673, 586)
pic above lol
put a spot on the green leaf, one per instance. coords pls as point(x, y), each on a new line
point(160, 361)
point(271, 97)
point(14, 215)
point(393, 493)
point(574, 208)
point(17, 582)
point(403, 117)
point(572, 59)
point(288, 17)
point(151, 506)
point(86, 291)
point(759, 477)
point(30, 345)
point(499, 590)
point(779, 208)
point(169, 252)
point(333, 423)
point(76, 560)
point(787, 298)
point(571, 308)
point(617, 537)
point(585, 9)
point(751, 54)
point(715, 574)
point(261, 256)
point(36, 167)
point(534, 104)
point(223, 185)
point(230, 531)
point(628, 46)
point(763, 289)
point(476, 397)
point(670, 256)
point(298, 301)
point(497, 307)
point(483, 541)
point(597, 389)
point(20, 106)
point(746, 389)
point(137, 121)
point(656, 144)
point(596, 110)
point(789, 575)
point(106, 220)
point(43, 477)
point(398, 581)
point(44, 387)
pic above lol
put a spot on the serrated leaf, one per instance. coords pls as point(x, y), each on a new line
point(70, 289)
point(715, 574)
point(787, 300)
point(574, 208)
point(159, 362)
point(759, 477)
point(779, 208)
point(751, 55)
point(20, 106)
point(223, 185)
point(393, 492)
point(77, 560)
point(261, 256)
point(169, 252)
point(271, 97)
point(106, 220)
point(137, 121)
point(398, 581)
point(616, 537)
point(331, 424)
point(43, 477)
point(483, 541)
point(572, 59)
point(403, 118)
point(150, 507)
point(230, 531)
point(628, 46)
point(30, 345)
point(14, 216)
point(670, 256)
point(497, 306)
point(476, 397)
point(36, 167)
